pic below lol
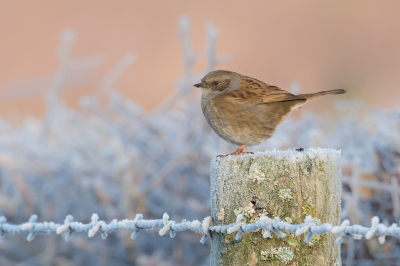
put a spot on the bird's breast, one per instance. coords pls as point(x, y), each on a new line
point(219, 121)
point(236, 123)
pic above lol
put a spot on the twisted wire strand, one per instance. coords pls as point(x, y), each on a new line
point(270, 226)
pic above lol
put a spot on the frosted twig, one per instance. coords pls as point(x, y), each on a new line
point(117, 70)
point(63, 53)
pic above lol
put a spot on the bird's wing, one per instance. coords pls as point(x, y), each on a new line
point(257, 92)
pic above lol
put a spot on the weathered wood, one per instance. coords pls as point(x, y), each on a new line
point(288, 184)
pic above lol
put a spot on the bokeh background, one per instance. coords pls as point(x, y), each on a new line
point(321, 44)
point(97, 114)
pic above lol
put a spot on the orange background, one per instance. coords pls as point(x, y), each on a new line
point(322, 44)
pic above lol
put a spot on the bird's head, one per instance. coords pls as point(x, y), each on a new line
point(217, 81)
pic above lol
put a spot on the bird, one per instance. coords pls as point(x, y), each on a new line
point(245, 111)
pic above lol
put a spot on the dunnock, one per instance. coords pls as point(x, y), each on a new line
point(245, 111)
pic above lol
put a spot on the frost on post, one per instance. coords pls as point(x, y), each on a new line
point(293, 184)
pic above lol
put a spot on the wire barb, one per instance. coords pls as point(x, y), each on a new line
point(206, 228)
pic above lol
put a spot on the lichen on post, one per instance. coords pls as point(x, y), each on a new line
point(288, 184)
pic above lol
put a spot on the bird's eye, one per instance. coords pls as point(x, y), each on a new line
point(215, 83)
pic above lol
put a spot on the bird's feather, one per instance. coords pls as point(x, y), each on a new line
point(258, 92)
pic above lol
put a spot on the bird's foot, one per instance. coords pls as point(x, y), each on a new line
point(239, 151)
point(300, 149)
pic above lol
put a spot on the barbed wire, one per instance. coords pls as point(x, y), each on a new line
point(268, 225)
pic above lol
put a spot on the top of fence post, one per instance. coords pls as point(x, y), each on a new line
point(288, 184)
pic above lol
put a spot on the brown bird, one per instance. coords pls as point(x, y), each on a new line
point(245, 111)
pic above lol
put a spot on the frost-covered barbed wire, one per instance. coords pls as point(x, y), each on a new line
point(267, 225)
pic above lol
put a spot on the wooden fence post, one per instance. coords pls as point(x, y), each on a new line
point(288, 184)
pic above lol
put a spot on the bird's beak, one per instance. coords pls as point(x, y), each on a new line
point(199, 85)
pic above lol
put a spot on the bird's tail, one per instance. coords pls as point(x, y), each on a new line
point(321, 93)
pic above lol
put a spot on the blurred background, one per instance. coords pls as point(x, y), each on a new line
point(98, 114)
